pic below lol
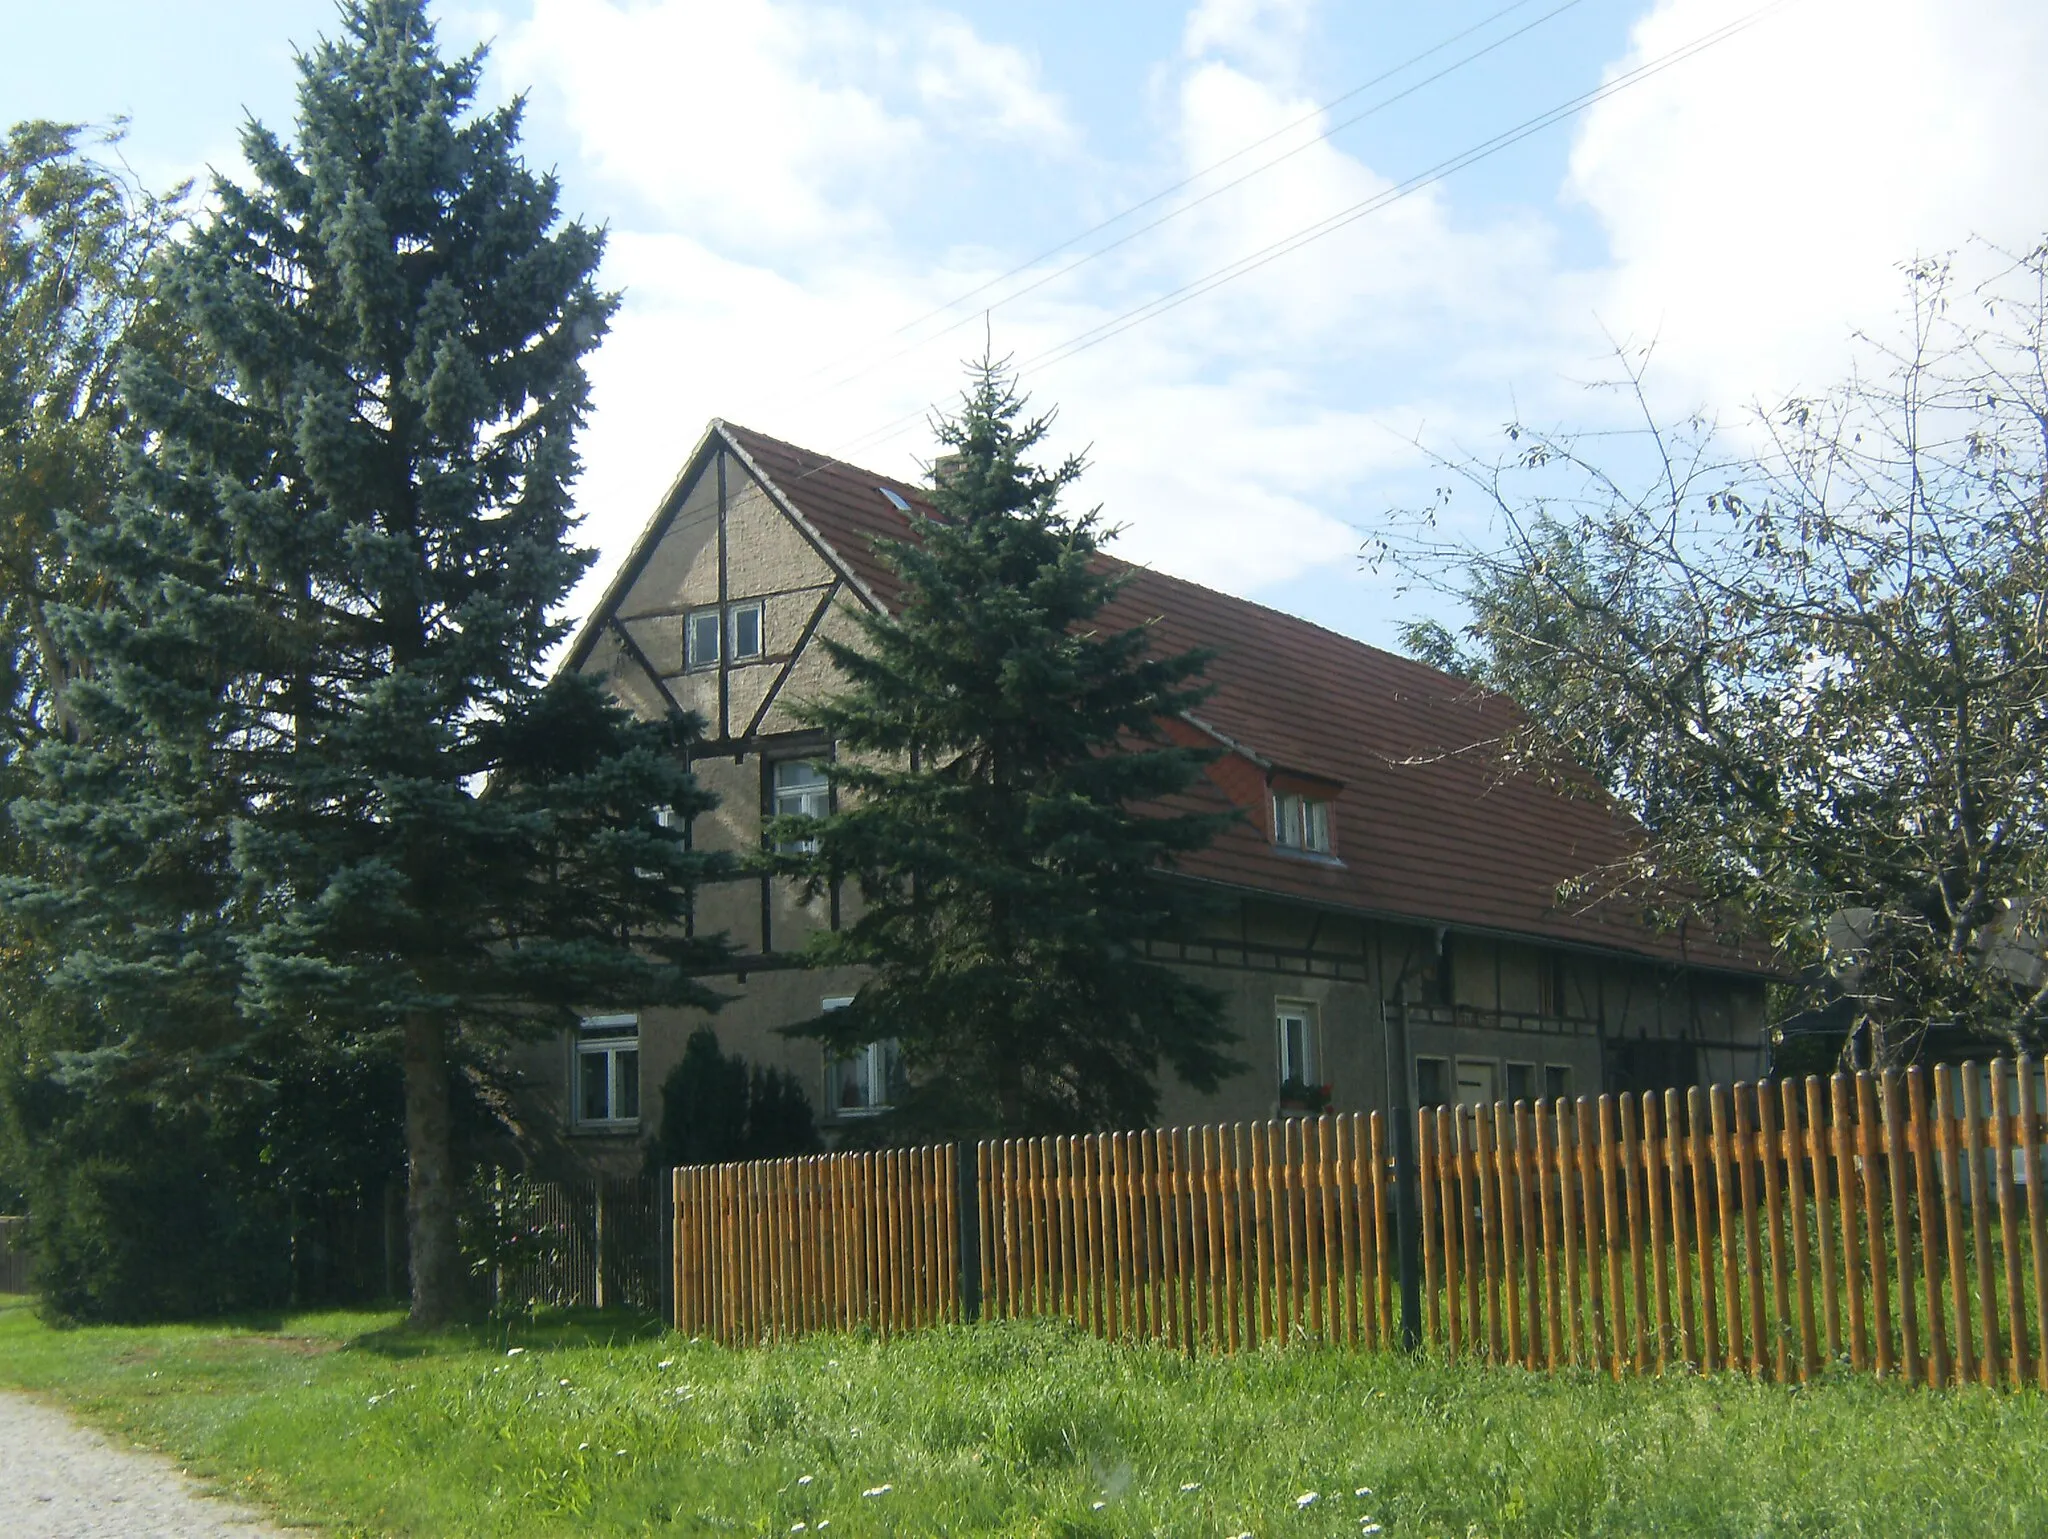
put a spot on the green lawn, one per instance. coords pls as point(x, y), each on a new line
point(596, 1426)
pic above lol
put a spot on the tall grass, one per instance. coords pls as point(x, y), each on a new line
point(594, 1425)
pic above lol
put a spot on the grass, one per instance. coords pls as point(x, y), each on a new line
point(599, 1426)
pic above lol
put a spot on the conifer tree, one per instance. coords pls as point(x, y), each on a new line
point(1000, 779)
point(325, 779)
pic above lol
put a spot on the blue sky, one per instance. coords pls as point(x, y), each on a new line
point(788, 183)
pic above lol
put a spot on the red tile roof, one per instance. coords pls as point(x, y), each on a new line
point(1428, 827)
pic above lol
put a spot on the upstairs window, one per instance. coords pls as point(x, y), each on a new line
point(800, 791)
point(608, 1073)
point(700, 636)
point(744, 631)
point(1301, 823)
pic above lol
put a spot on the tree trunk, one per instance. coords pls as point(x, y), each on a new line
point(430, 1193)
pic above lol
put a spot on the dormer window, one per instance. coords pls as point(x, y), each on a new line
point(1301, 822)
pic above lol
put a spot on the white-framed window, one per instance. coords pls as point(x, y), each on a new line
point(799, 790)
point(608, 1072)
point(700, 638)
point(743, 631)
point(1295, 1020)
point(1301, 822)
point(863, 1082)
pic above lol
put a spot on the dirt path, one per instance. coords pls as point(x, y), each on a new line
point(59, 1480)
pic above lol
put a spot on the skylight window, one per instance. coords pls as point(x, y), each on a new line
point(895, 499)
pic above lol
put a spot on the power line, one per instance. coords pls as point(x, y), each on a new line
point(1229, 272)
point(1337, 221)
point(1187, 181)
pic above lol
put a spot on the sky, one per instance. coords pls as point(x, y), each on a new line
point(818, 212)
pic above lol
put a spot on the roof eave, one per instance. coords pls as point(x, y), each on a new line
point(643, 548)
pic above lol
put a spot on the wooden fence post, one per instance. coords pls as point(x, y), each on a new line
point(967, 1210)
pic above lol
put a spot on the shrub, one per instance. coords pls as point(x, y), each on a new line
point(716, 1107)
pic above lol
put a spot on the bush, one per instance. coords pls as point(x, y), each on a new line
point(715, 1107)
point(144, 1208)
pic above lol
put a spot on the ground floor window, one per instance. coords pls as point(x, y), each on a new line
point(1296, 1022)
point(1478, 1081)
point(608, 1072)
point(864, 1081)
point(1521, 1081)
point(1432, 1081)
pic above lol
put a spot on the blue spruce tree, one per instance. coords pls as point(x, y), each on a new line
point(324, 786)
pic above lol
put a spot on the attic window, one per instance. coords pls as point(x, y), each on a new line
point(1301, 823)
point(745, 625)
point(700, 631)
point(896, 500)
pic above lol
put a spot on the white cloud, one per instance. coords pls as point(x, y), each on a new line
point(1755, 201)
point(984, 88)
point(1759, 199)
point(773, 126)
point(1266, 36)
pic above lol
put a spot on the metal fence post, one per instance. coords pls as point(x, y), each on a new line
point(967, 1204)
point(1407, 1207)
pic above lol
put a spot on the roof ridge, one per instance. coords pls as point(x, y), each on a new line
point(827, 462)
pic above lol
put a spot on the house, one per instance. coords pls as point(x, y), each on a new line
point(1386, 908)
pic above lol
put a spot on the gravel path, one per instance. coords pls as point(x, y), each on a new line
point(59, 1480)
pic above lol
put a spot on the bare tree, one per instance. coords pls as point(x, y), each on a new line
point(1809, 653)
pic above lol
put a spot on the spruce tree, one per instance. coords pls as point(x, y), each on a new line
point(341, 575)
point(1001, 780)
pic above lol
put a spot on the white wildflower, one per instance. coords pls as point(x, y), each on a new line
point(1307, 1499)
point(877, 1490)
point(1098, 1506)
point(1362, 1492)
point(796, 1528)
point(666, 1362)
point(516, 1352)
point(1368, 1527)
point(804, 1480)
point(582, 1447)
point(563, 1382)
point(1190, 1485)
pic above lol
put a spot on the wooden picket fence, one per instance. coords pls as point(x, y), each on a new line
point(1772, 1227)
point(1216, 1238)
point(771, 1249)
point(1895, 1222)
